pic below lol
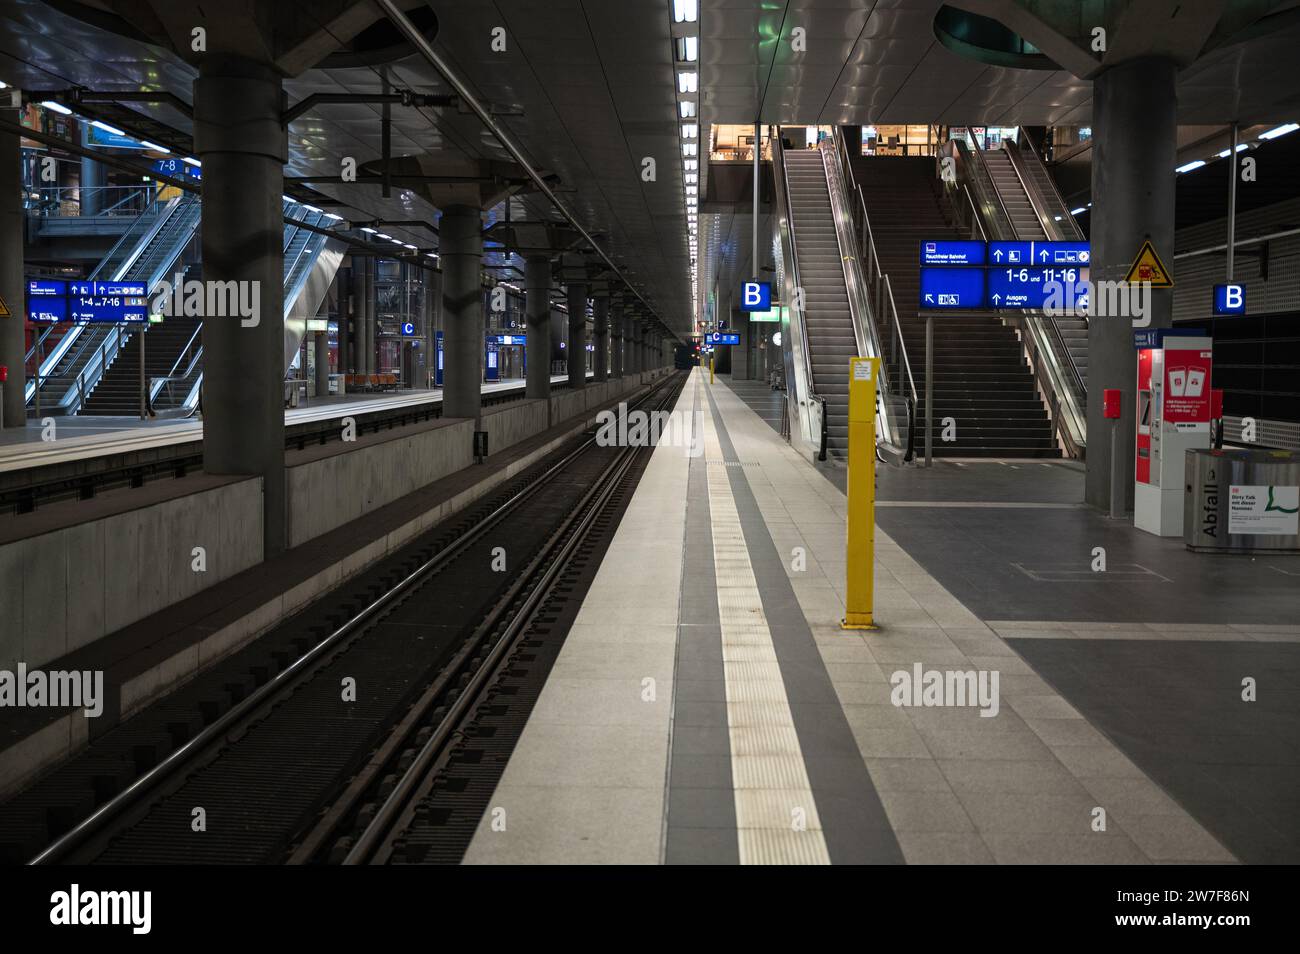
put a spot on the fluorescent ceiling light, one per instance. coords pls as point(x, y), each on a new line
point(687, 108)
point(688, 49)
point(1228, 152)
point(154, 146)
point(686, 11)
point(404, 245)
point(687, 81)
point(310, 208)
point(366, 228)
point(397, 242)
point(1081, 209)
point(331, 215)
point(690, 130)
point(1280, 131)
point(57, 107)
point(690, 149)
point(382, 235)
point(690, 165)
point(111, 130)
point(190, 161)
point(692, 177)
point(1189, 166)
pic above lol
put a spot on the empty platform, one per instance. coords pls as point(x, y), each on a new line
point(707, 707)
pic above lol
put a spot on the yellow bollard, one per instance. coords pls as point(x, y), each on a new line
point(710, 367)
point(862, 492)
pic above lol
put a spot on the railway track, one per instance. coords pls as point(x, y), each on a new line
point(317, 743)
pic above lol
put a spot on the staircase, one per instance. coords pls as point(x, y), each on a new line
point(118, 390)
point(980, 377)
point(827, 320)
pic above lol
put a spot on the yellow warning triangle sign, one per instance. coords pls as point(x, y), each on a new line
point(4, 310)
point(1147, 267)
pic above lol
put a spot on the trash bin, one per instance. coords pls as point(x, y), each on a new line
point(1241, 501)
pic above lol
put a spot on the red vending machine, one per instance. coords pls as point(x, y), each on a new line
point(1173, 416)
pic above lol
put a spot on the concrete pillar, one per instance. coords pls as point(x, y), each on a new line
point(368, 317)
point(1134, 129)
point(429, 345)
point(345, 309)
point(740, 352)
point(357, 344)
point(322, 364)
point(242, 144)
point(577, 347)
point(92, 186)
point(616, 340)
point(537, 309)
point(638, 346)
point(13, 343)
point(461, 255)
point(600, 337)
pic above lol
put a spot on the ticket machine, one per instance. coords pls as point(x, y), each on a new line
point(1173, 416)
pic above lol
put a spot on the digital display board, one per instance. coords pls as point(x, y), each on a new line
point(87, 301)
point(974, 275)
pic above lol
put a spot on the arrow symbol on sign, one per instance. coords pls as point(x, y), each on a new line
point(996, 298)
point(998, 254)
point(1044, 255)
point(929, 299)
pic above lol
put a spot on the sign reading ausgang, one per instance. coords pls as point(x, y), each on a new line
point(756, 296)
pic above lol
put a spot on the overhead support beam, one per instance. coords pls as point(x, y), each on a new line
point(467, 97)
point(153, 97)
point(401, 97)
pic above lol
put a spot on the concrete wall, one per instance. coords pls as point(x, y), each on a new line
point(511, 423)
point(63, 589)
point(350, 482)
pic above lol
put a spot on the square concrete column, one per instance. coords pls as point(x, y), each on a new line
point(239, 137)
point(616, 340)
point(537, 342)
point(1134, 137)
point(600, 337)
point(13, 340)
point(577, 344)
point(460, 239)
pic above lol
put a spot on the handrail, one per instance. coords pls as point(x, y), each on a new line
point(1064, 391)
point(1022, 137)
point(797, 356)
point(1031, 195)
point(883, 292)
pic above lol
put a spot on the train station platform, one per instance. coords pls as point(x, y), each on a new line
point(706, 707)
point(86, 437)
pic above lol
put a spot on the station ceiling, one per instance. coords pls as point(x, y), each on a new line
point(588, 88)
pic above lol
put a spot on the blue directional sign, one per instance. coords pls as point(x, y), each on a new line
point(1229, 299)
point(953, 253)
point(111, 302)
point(408, 328)
point(47, 310)
point(1029, 287)
point(1061, 253)
point(723, 338)
point(952, 288)
point(756, 296)
point(1011, 253)
point(44, 288)
point(177, 169)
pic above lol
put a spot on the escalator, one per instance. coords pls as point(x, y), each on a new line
point(1013, 198)
point(827, 320)
point(148, 252)
point(827, 316)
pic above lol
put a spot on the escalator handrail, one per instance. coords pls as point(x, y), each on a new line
point(797, 328)
point(1026, 144)
point(853, 273)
